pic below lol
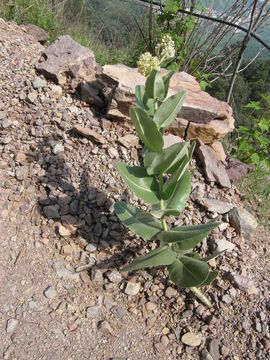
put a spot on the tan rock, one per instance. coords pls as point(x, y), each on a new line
point(219, 152)
point(201, 116)
point(214, 170)
point(89, 134)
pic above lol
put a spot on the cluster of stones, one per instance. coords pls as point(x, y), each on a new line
point(56, 152)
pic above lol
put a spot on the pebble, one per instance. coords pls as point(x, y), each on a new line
point(32, 97)
point(22, 173)
point(39, 83)
point(113, 153)
point(91, 248)
point(64, 273)
point(132, 288)
point(101, 198)
point(214, 349)
point(227, 299)
point(58, 148)
point(92, 312)
point(191, 339)
point(224, 245)
point(51, 211)
point(171, 292)
point(108, 302)
point(105, 328)
point(11, 325)
point(50, 292)
point(129, 141)
point(114, 276)
point(150, 306)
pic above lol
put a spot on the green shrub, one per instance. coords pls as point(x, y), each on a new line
point(252, 144)
point(255, 192)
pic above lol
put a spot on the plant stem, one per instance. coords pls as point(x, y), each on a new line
point(195, 290)
point(201, 296)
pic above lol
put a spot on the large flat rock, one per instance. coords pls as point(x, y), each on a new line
point(201, 116)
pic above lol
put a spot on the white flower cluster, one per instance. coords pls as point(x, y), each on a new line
point(147, 63)
point(165, 49)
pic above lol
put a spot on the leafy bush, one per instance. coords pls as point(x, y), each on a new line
point(153, 113)
point(255, 191)
point(253, 142)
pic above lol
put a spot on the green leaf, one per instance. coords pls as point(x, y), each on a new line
point(140, 93)
point(160, 163)
point(154, 85)
point(188, 272)
point(147, 129)
point(166, 80)
point(137, 179)
point(176, 166)
point(170, 184)
point(141, 223)
point(211, 277)
point(142, 100)
point(186, 237)
point(180, 195)
point(167, 111)
point(191, 149)
point(157, 257)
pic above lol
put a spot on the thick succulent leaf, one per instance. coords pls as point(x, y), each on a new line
point(175, 167)
point(154, 85)
point(191, 149)
point(141, 223)
point(211, 277)
point(180, 195)
point(146, 129)
point(137, 179)
point(143, 102)
point(187, 237)
point(157, 257)
point(187, 272)
point(140, 93)
point(166, 80)
point(170, 184)
point(167, 111)
point(160, 163)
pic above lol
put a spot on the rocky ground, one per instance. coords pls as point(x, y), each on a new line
point(62, 293)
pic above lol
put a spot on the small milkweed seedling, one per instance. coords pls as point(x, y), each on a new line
point(153, 113)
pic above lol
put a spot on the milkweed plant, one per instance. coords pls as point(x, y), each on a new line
point(164, 182)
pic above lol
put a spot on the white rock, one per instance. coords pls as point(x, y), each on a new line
point(39, 83)
point(224, 245)
point(192, 339)
point(11, 325)
point(132, 288)
point(50, 292)
point(58, 148)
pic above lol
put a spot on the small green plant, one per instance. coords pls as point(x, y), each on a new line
point(252, 144)
point(255, 192)
point(165, 183)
